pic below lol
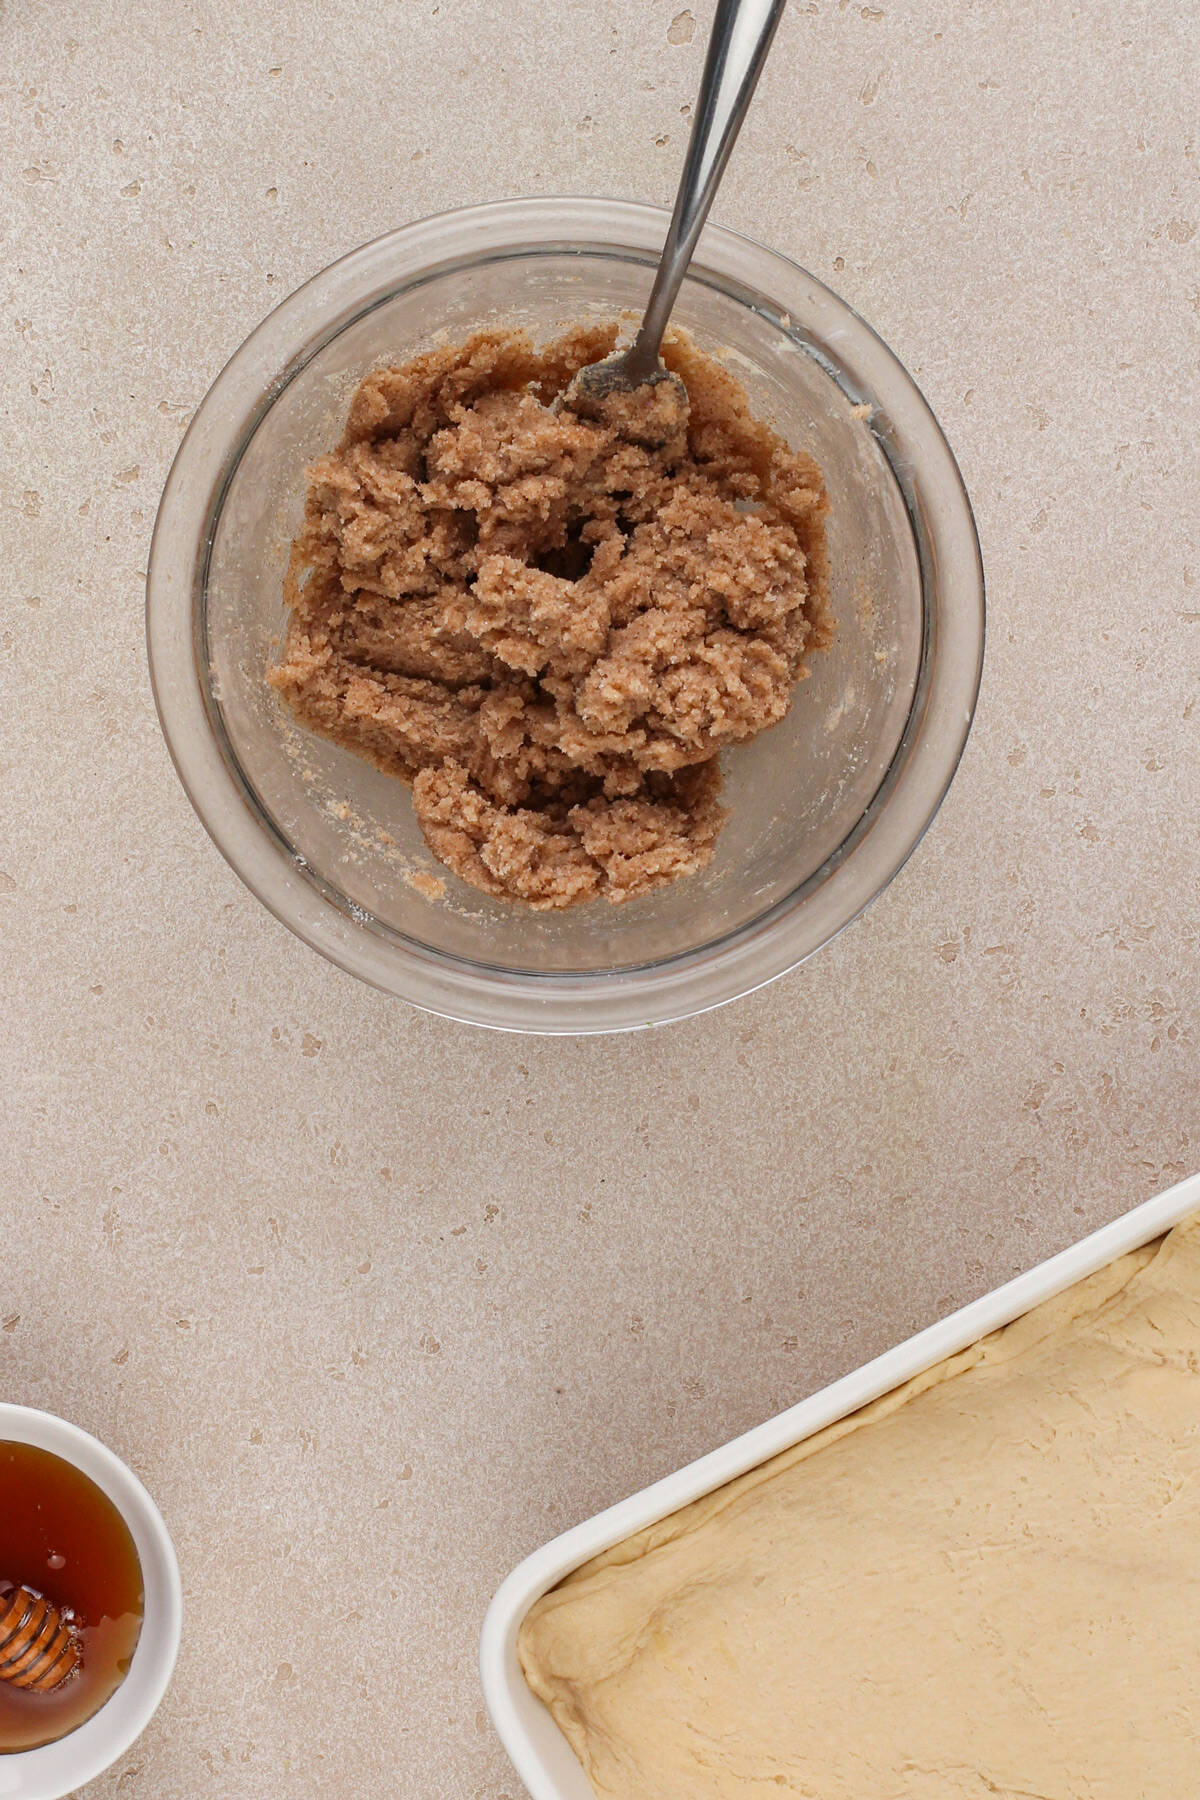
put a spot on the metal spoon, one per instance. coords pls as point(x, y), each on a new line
point(737, 48)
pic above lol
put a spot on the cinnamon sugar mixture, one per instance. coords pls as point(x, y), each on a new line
point(552, 624)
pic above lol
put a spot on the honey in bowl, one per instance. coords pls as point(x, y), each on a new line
point(61, 1537)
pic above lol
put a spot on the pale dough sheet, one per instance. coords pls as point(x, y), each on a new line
point(986, 1586)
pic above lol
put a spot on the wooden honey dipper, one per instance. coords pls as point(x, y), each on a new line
point(37, 1651)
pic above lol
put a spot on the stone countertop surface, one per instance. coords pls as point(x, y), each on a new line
point(376, 1303)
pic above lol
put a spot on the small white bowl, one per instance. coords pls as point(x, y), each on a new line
point(57, 1769)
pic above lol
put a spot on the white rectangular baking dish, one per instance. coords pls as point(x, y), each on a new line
point(541, 1755)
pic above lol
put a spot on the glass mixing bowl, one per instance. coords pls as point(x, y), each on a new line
point(825, 807)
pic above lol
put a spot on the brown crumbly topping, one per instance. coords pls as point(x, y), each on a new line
point(552, 624)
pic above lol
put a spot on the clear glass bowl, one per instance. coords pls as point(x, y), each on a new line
point(825, 807)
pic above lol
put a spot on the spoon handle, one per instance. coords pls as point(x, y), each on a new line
point(737, 48)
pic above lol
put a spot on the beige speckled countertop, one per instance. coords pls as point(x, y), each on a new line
point(377, 1302)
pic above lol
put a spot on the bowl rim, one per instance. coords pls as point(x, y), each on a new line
point(694, 981)
point(54, 1770)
